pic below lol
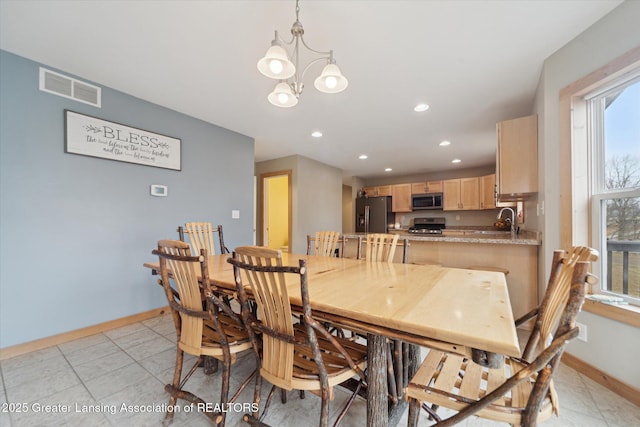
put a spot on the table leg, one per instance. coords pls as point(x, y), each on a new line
point(377, 402)
point(410, 367)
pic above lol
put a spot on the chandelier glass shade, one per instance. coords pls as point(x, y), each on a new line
point(276, 64)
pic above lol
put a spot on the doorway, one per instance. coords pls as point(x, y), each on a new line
point(276, 210)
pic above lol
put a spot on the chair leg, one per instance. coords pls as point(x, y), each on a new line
point(267, 403)
point(324, 409)
point(283, 395)
point(348, 404)
point(177, 373)
point(224, 392)
point(414, 412)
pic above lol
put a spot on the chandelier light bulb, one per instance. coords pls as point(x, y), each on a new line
point(282, 96)
point(331, 80)
point(276, 66)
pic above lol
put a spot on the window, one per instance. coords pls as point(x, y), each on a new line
point(613, 114)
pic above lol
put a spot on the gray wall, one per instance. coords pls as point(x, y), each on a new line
point(316, 196)
point(612, 346)
point(75, 230)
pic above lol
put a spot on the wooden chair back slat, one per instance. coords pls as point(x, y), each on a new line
point(381, 247)
point(324, 244)
point(185, 272)
point(202, 235)
point(270, 292)
point(556, 296)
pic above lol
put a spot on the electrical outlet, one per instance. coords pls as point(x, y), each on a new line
point(582, 336)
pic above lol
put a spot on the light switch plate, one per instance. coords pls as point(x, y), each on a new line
point(159, 190)
point(235, 214)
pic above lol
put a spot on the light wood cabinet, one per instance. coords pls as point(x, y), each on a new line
point(488, 194)
point(380, 190)
point(426, 187)
point(461, 194)
point(517, 158)
point(488, 191)
point(401, 198)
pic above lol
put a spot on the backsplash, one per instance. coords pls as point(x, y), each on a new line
point(453, 218)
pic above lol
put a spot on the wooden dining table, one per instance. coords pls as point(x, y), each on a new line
point(463, 311)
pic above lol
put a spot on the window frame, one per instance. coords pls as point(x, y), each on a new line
point(575, 187)
point(598, 192)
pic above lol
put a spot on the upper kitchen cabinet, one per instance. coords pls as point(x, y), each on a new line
point(488, 193)
point(461, 194)
point(380, 190)
point(401, 198)
point(426, 187)
point(517, 158)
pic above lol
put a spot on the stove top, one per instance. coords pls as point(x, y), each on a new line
point(427, 226)
point(424, 231)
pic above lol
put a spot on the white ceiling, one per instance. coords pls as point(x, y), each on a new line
point(474, 62)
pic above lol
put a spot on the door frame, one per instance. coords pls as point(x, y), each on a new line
point(262, 201)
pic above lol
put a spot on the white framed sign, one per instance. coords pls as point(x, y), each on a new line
point(90, 136)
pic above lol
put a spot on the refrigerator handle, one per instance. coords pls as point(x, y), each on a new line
point(366, 219)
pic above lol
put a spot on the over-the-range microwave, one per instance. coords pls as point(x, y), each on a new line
point(426, 201)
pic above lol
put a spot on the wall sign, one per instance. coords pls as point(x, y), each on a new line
point(90, 136)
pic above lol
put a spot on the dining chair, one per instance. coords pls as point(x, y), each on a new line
point(545, 316)
point(291, 355)
point(519, 392)
point(381, 247)
point(202, 236)
point(213, 331)
point(325, 243)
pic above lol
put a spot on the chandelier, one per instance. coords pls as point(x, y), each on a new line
point(277, 65)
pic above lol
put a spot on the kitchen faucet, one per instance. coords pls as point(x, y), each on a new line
point(513, 218)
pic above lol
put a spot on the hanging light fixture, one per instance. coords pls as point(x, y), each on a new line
point(277, 65)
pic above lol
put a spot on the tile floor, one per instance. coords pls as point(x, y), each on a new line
point(117, 378)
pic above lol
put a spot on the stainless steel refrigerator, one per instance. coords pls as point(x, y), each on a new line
point(373, 214)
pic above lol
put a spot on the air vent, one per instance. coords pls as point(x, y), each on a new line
point(68, 87)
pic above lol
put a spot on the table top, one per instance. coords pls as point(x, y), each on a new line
point(464, 307)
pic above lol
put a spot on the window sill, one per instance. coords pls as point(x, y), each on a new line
point(629, 314)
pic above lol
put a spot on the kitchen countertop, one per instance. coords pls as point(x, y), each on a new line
point(468, 235)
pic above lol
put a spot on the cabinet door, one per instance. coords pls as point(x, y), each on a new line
point(487, 192)
point(517, 156)
point(470, 193)
point(384, 190)
point(451, 195)
point(419, 188)
point(371, 191)
point(434, 187)
point(401, 198)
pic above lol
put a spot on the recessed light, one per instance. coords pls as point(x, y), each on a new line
point(445, 143)
point(363, 157)
point(388, 170)
point(316, 134)
point(421, 107)
point(456, 161)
